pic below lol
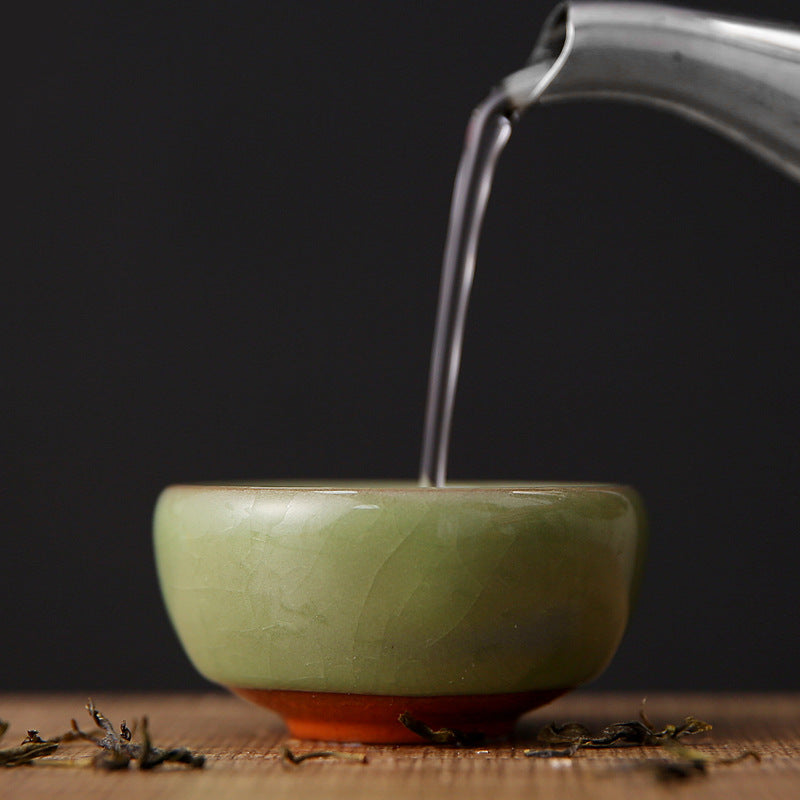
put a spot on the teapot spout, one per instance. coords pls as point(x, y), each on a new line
point(737, 76)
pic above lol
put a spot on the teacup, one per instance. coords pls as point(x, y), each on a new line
point(341, 607)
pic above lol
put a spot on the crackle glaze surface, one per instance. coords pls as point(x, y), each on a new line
point(400, 591)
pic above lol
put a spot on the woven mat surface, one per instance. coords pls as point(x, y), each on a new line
point(243, 747)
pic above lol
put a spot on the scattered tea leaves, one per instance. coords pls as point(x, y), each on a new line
point(575, 736)
point(445, 736)
point(117, 750)
point(683, 762)
point(294, 758)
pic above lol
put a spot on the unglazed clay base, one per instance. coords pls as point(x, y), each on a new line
point(373, 719)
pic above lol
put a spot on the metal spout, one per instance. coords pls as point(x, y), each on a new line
point(737, 76)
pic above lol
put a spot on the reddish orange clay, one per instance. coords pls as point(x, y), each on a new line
point(372, 719)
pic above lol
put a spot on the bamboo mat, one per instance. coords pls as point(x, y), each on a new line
point(242, 745)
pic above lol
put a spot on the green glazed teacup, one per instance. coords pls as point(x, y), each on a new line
point(342, 607)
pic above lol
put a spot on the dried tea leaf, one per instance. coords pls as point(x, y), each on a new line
point(638, 732)
point(31, 748)
point(114, 754)
point(112, 760)
point(146, 748)
point(444, 736)
point(689, 762)
point(150, 756)
point(551, 753)
point(634, 733)
point(111, 740)
point(689, 726)
point(120, 750)
point(293, 758)
point(569, 733)
point(743, 756)
point(176, 755)
point(679, 770)
point(572, 734)
point(26, 753)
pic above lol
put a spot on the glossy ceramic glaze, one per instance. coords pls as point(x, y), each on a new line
point(398, 591)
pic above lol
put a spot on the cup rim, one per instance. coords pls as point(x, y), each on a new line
point(349, 486)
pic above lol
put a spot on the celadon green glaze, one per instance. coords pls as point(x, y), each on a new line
point(401, 590)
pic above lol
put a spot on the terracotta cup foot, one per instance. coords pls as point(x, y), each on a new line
point(372, 719)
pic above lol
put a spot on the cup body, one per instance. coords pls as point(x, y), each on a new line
point(393, 594)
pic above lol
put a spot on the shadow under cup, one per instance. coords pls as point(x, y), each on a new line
point(342, 607)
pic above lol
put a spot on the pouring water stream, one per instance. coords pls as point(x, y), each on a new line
point(487, 134)
point(736, 76)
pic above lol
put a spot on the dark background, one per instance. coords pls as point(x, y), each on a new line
point(223, 259)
